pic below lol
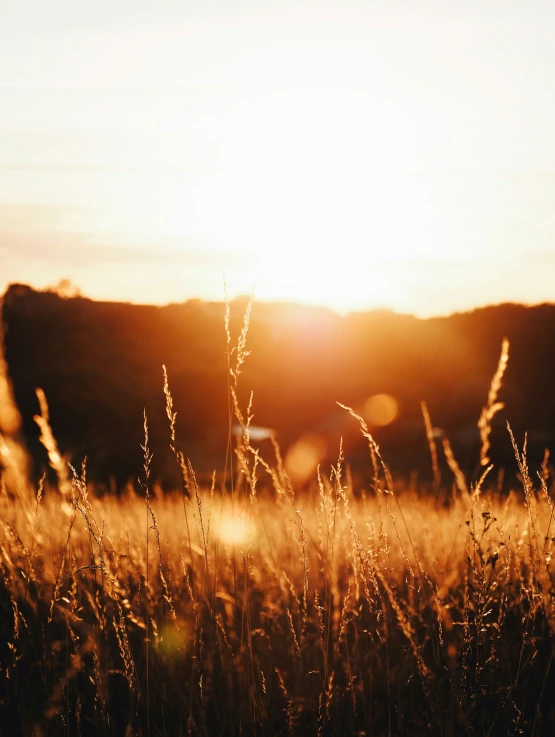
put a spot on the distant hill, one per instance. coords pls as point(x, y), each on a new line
point(100, 364)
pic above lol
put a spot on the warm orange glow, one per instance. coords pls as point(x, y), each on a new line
point(234, 530)
point(304, 456)
point(141, 160)
point(9, 417)
point(380, 410)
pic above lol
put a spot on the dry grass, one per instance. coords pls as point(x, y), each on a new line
point(339, 612)
point(344, 616)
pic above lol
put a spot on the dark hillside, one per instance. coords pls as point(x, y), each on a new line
point(101, 363)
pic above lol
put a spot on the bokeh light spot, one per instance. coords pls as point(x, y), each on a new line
point(380, 410)
point(176, 638)
point(304, 456)
point(234, 530)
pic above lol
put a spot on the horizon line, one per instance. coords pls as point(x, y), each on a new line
point(272, 303)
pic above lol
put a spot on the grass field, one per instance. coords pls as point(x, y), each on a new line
point(258, 611)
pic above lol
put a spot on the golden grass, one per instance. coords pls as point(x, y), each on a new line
point(492, 406)
point(342, 611)
point(343, 614)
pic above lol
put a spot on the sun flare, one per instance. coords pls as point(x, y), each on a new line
point(318, 191)
point(357, 155)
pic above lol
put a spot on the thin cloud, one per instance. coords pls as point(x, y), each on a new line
point(31, 233)
point(72, 250)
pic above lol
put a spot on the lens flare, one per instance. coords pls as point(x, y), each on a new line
point(176, 638)
point(234, 530)
point(304, 456)
point(380, 410)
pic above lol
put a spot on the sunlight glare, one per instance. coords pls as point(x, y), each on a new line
point(234, 530)
point(315, 190)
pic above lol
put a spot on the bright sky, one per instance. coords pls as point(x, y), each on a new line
point(355, 154)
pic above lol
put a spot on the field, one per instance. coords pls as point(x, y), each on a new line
point(248, 608)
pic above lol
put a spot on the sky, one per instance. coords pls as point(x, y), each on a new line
point(353, 154)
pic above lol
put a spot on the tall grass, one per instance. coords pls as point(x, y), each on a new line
point(337, 612)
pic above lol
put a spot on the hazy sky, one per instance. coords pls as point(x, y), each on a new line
point(355, 154)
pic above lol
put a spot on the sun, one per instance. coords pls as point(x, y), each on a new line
point(315, 191)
